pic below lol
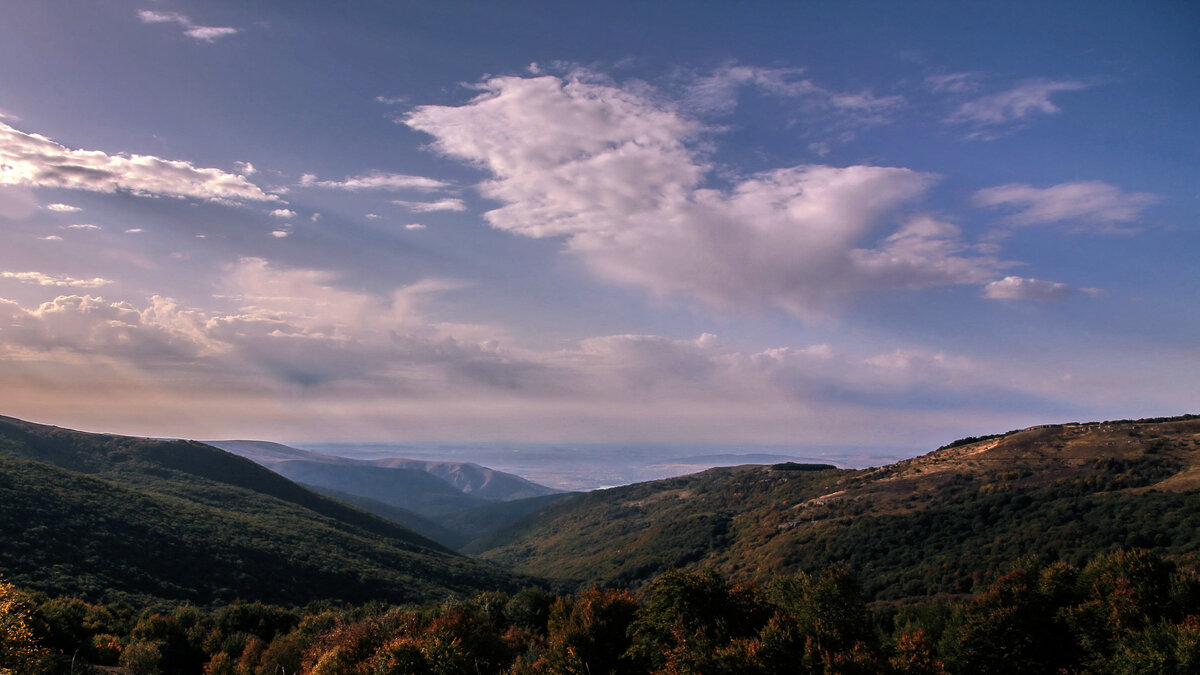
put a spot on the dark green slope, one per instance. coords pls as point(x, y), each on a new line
point(410, 489)
point(932, 524)
point(410, 519)
point(109, 516)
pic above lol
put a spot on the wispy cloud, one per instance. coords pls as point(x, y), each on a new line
point(63, 208)
point(450, 204)
point(83, 226)
point(190, 29)
point(58, 280)
point(988, 113)
point(1086, 202)
point(37, 161)
point(953, 83)
point(376, 180)
point(1019, 288)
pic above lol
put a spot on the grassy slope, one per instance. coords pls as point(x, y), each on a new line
point(95, 515)
point(932, 524)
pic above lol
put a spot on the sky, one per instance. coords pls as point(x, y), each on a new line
point(825, 224)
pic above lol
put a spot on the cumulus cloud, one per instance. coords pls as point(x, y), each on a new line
point(1019, 288)
point(283, 213)
point(376, 180)
point(1014, 105)
point(245, 168)
point(280, 234)
point(449, 204)
point(83, 226)
point(616, 175)
point(58, 280)
point(37, 161)
point(1088, 202)
point(202, 33)
point(414, 226)
point(63, 208)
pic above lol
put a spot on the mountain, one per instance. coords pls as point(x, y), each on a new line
point(932, 524)
point(450, 502)
point(402, 488)
point(112, 517)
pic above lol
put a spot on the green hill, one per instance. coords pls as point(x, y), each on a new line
point(109, 517)
point(933, 524)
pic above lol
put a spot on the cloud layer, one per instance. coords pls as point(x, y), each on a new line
point(358, 354)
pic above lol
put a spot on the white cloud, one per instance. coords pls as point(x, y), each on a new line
point(372, 216)
point(63, 208)
point(51, 237)
point(209, 33)
point(280, 234)
point(202, 33)
point(134, 230)
point(37, 161)
point(245, 168)
point(414, 226)
point(1018, 288)
point(149, 16)
point(1093, 202)
point(1026, 100)
point(283, 213)
point(450, 204)
point(83, 226)
point(613, 173)
point(59, 280)
point(391, 100)
point(376, 180)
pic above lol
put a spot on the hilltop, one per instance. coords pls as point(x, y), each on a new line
point(933, 524)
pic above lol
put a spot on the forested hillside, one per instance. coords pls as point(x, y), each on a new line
point(104, 517)
point(933, 524)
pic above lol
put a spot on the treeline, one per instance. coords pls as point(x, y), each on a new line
point(1124, 612)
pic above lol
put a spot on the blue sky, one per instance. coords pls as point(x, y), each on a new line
point(827, 223)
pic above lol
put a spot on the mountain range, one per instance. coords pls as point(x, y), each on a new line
point(113, 517)
point(450, 502)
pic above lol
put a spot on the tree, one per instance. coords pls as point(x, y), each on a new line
point(19, 650)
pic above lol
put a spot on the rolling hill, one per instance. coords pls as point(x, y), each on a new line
point(932, 524)
point(110, 517)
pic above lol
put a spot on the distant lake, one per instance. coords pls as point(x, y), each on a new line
point(593, 466)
